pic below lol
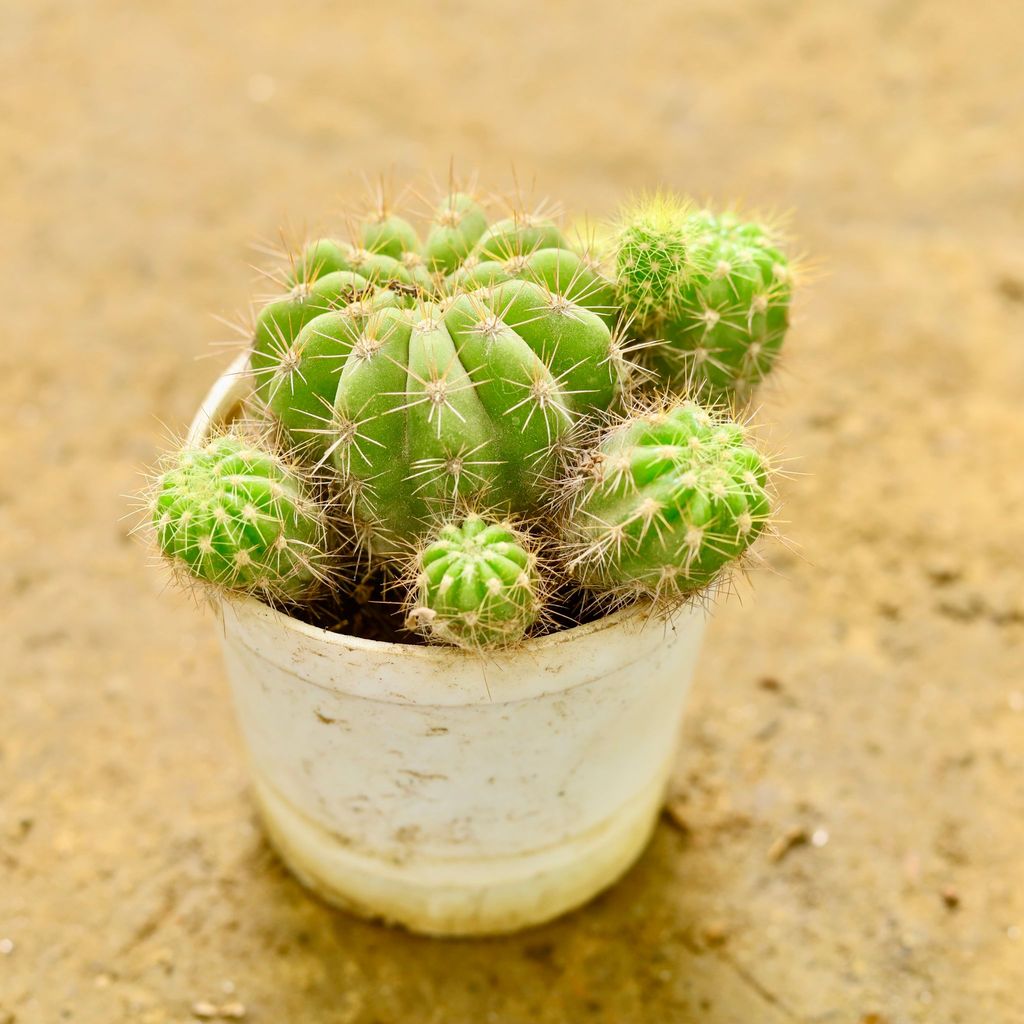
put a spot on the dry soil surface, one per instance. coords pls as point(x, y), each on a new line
point(846, 842)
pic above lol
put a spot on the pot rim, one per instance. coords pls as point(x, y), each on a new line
point(227, 392)
point(252, 608)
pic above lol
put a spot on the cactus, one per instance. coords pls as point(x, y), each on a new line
point(415, 376)
point(654, 259)
point(387, 234)
point(712, 289)
point(519, 235)
point(561, 271)
point(477, 585)
point(467, 399)
point(663, 503)
point(459, 223)
point(234, 515)
point(298, 353)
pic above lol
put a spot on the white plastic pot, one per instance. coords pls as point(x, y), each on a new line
point(450, 794)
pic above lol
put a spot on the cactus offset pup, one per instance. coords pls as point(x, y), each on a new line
point(477, 585)
point(234, 515)
point(664, 503)
point(711, 290)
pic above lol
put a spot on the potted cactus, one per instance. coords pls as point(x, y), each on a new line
point(457, 504)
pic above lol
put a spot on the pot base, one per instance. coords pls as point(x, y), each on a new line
point(476, 896)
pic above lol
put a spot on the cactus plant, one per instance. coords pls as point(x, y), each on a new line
point(232, 514)
point(297, 358)
point(466, 399)
point(477, 585)
point(415, 376)
point(714, 290)
point(664, 502)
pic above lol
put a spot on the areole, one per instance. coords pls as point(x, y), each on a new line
point(445, 792)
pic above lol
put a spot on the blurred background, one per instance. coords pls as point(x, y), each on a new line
point(845, 839)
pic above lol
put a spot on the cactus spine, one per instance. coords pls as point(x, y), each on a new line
point(663, 504)
point(712, 289)
point(235, 515)
point(477, 585)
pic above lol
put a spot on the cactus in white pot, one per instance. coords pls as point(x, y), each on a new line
point(484, 364)
point(437, 438)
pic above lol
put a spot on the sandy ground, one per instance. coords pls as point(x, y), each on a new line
point(870, 696)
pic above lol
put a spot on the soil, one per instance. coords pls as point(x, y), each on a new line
point(845, 836)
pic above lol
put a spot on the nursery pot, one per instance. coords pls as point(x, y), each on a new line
point(451, 794)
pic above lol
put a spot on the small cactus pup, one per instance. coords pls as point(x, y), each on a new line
point(654, 258)
point(477, 585)
point(233, 514)
point(712, 289)
point(664, 503)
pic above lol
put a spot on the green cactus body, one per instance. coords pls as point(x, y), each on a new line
point(564, 272)
point(406, 275)
point(389, 235)
point(320, 257)
point(468, 399)
point(301, 388)
point(725, 333)
point(477, 585)
point(281, 320)
point(519, 235)
point(561, 271)
point(303, 339)
point(654, 259)
point(234, 515)
point(664, 504)
point(475, 274)
point(458, 225)
point(713, 290)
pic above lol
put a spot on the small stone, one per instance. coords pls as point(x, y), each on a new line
point(6, 947)
point(819, 837)
point(102, 980)
point(227, 986)
point(912, 868)
point(232, 1011)
point(769, 683)
point(1011, 288)
point(943, 571)
point(164, 958)
point(796, 836)
point(950, 897)
point(715, 933)
point(204, 1010)
point(676, 815)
